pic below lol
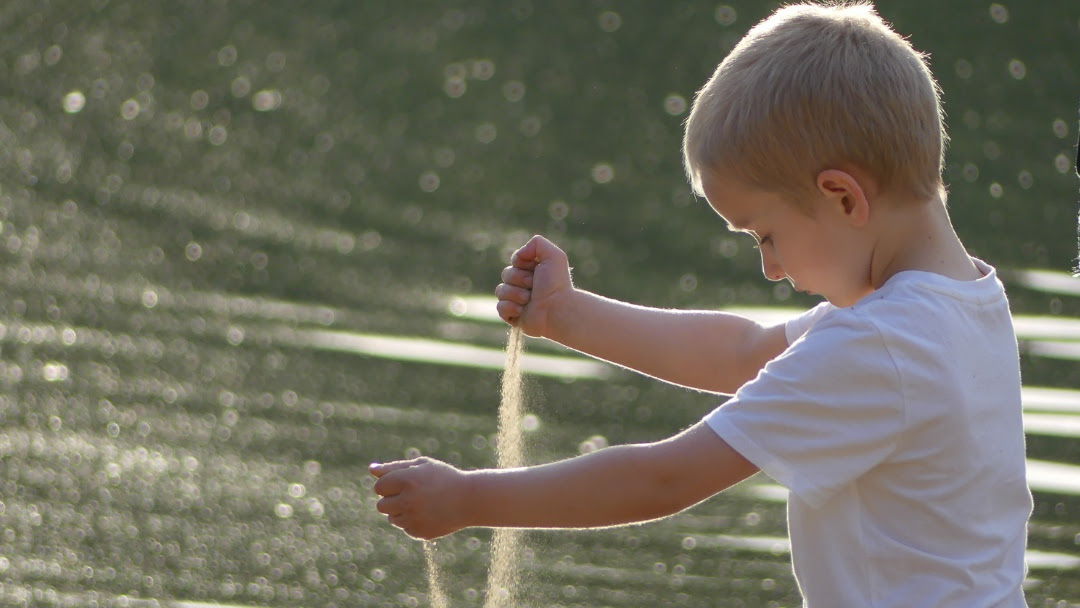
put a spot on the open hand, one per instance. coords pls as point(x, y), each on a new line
point(423, 497)
point(536, 279)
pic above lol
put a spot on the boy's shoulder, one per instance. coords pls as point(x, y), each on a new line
point(915, 315)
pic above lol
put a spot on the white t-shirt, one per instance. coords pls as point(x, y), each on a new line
point(896, 425)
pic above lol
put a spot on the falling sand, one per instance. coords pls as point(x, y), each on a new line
point(505, 545)
point(503, 577)
point(436, 593)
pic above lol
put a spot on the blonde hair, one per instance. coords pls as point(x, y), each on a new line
point(818, 86)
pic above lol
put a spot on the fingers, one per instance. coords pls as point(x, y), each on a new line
point(378, 469)
point(509, 311)
point(517, 295)
point(512, 275)
point(389, 505)
point(513, 293)
point(532, 253)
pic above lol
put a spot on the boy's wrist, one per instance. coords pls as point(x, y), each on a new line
point(465, 503)
point(562, 314)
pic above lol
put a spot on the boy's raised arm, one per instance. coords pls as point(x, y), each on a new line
point(706, 350)
point(612, 486)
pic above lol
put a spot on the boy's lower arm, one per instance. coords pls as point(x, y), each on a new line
point(617, 485)
point(705, 350)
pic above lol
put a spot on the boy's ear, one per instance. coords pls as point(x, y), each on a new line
point(842, 188)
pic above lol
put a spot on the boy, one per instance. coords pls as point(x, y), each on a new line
point(891, 412)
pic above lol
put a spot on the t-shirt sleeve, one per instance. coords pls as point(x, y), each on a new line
point(796, 327)
point(823, 413)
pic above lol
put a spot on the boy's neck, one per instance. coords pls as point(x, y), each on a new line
point(917, 235)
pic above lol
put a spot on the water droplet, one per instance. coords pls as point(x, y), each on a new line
point(74, 102)
point(725, 15)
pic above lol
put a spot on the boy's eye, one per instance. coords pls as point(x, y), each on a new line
point(761, 240)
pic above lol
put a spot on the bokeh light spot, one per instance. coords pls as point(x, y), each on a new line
point(610, 21)
point(1017, 69)
point(999, 13)
point(603, 173)
point(725, 15)
point(199, 100)
point(513, 90)
point(74, 102)
point(130, 109)
point(266, 100)
point(675, 104)
point(429, 181)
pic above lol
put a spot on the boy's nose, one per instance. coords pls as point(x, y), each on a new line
point(770, 268)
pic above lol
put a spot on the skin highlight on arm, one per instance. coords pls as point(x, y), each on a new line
point(613, 486)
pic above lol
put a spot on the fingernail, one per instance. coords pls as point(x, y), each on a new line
point(374, 465)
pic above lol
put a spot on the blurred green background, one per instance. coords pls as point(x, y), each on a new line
point(223, 220)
